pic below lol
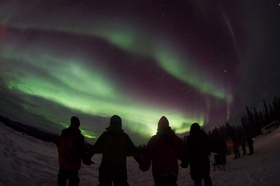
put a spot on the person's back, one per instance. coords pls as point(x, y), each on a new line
point(198, 150)
point(220, 146)
point(115, 145)
point(199, 145)
point(236, 143)
point(221, 152)
point(250, 142)
point(163, 151)
point(70, 148)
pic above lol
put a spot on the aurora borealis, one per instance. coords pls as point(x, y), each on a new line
point(192, 61)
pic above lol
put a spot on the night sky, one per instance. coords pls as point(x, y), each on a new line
point(190, 60)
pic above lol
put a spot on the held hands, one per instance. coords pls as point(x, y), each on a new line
point(86, 158)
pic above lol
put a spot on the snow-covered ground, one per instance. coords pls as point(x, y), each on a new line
point(25, 160)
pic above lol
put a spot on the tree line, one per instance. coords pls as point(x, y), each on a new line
point(251, 123)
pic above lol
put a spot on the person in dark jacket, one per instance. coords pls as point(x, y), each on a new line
point(163, 151)
point(198, 150)
point(236, 144)
point(70, 148)
point(219, 147)
point(243, 143)
point(115, 145)
point(250, 141)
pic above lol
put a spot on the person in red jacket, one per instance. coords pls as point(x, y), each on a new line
point(70, 148)
point(163, 151)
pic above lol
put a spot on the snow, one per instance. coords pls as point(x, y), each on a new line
point(25, 160)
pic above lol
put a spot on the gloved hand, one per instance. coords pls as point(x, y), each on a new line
point(86, 158)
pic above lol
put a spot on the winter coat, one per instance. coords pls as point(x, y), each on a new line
point(198, 150)
point(163, 151)
point(236, 143)
point(219, 147)
point(70, 148)
point(115, 145)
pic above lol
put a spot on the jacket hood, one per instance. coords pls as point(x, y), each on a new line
point(195, 128)
point(163, 124)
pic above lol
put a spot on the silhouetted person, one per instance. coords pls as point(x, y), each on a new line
point(243, 144)
point(70, 149)
point(250, 142)
point(220, 147)
point(198, 150)
point(163, 151)
point(236, 151)
point(115, 145)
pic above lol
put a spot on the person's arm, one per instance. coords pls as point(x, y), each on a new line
point(186, 155)
point(181, 150)
point(97, 147)
point(82, 144)
point(60, 139)
point(147, 156)
point(132, 149)
point(87, 154)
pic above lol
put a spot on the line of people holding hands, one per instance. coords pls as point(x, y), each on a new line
point(161, 154)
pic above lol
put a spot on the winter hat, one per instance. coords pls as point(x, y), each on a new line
point(116, 121)
point(163, 123)
point(195, 128)
point(75, 122)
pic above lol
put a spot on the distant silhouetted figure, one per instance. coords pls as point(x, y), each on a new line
point(198, 150)
point(236, 143)
point(250, 142)
point(115, 145)
point(219, 147)
point(243, 144)
point(70, 150)
point(163, 151)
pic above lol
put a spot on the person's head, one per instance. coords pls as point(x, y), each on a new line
point(75, 122)
point(195, 128)
point(163, 124)
point(116, 121)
